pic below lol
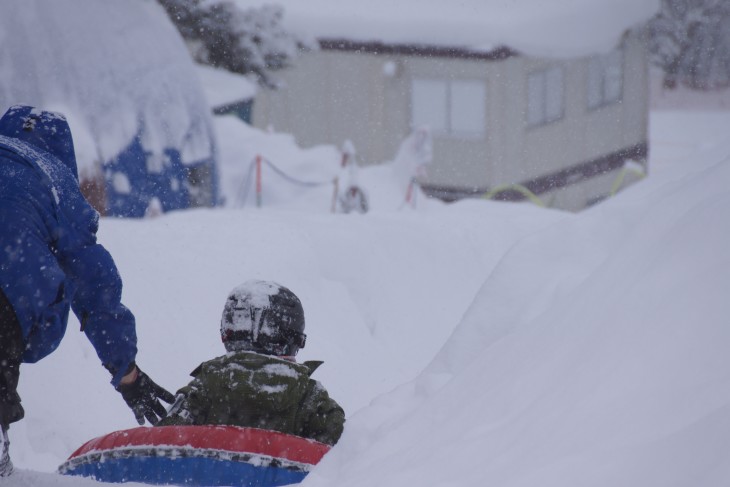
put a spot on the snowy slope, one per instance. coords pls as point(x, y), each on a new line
point(381, 294)
point(25, 478)
point(592, 354)
point(595, 354)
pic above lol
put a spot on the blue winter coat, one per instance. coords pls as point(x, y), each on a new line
point(49, 258)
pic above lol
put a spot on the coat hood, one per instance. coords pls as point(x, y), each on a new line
point(48, 131)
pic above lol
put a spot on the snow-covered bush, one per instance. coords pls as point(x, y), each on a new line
point(690, 41)
point(250, 41)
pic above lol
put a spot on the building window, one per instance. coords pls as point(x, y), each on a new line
point(455, 108)
point(545, 96)
point(605, 79)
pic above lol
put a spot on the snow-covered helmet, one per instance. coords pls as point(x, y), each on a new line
point(264, 317)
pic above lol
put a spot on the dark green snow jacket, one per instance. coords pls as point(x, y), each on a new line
point(261, 391)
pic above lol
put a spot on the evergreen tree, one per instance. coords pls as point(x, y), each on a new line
point(690, 41)
point(248, 41)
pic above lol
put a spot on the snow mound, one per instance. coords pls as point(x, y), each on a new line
point(26, 478)
point(595, 354)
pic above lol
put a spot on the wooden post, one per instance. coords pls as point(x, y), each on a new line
point(335, 190)
point(258, 181)
point(410, 197)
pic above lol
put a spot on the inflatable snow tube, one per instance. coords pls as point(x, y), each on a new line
point(196, 455)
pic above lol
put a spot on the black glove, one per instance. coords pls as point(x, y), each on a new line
point(143, 396)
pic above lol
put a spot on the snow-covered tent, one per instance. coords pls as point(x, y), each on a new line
point(123, 77)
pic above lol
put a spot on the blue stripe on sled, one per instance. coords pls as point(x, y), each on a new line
point(193, 471)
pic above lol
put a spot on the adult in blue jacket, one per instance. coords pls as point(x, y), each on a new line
point(50, 262)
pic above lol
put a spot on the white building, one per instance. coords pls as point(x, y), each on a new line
point(520, 98)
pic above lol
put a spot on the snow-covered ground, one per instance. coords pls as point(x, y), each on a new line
point(594, 354)
point(476, 343)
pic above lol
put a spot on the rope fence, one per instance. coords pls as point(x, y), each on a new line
point(256, 165)
point(254, 177)
point(255, 170)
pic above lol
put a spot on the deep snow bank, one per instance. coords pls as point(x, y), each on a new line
point(595, 354)
point(22, 478)
point(381, 294)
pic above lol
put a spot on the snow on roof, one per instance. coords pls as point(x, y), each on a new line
point(105, 65)
point(222, 87)
point(555, 28)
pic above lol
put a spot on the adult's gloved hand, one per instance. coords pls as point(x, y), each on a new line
point(143, 396)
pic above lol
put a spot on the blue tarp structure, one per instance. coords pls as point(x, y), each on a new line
point(134, 178)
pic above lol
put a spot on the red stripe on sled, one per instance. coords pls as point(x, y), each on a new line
point(228, 438)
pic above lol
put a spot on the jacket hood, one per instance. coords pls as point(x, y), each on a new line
point(48, 131)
